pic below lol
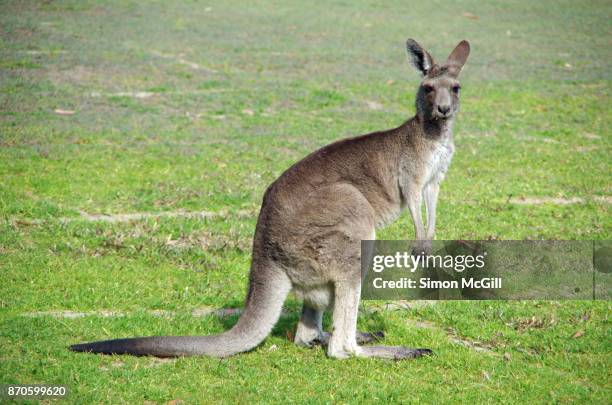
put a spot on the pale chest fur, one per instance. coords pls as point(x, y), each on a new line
point(439, 160)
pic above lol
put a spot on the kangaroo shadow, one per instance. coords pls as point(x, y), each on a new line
point(286, 325)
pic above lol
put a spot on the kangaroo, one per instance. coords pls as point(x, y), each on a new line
point(314, 217)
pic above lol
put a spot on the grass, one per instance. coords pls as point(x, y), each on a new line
point(234, 94)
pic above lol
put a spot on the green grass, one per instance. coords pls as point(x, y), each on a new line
point(238, 93)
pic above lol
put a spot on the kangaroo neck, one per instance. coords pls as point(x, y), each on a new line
point(436, 129)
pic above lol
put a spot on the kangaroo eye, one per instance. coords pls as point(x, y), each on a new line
point(456, 89)
point(428, 88)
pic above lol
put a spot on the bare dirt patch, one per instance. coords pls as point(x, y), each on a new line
point(546, 200)
point(134, 94)
point(68, 314)
point(135, 216)
point(78, 74)
point(180, 58)
point(559, 200)
point(206, 240)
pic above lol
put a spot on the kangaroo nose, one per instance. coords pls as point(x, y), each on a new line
point(444, 109)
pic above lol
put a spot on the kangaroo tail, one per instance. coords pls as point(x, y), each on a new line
point(268, 288)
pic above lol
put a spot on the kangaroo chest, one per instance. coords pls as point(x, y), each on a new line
point(439, 160)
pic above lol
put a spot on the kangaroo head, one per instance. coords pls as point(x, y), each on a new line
point(438, 94)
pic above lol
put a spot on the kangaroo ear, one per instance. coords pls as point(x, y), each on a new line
point(458, 57)
point(420, 58)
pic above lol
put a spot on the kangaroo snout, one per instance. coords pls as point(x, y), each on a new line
point(444, 109)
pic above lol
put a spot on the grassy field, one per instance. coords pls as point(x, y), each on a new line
point(126, 107)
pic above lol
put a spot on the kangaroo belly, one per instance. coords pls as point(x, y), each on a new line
point(318, 297)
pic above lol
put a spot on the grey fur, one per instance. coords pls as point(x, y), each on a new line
point(314, 216)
